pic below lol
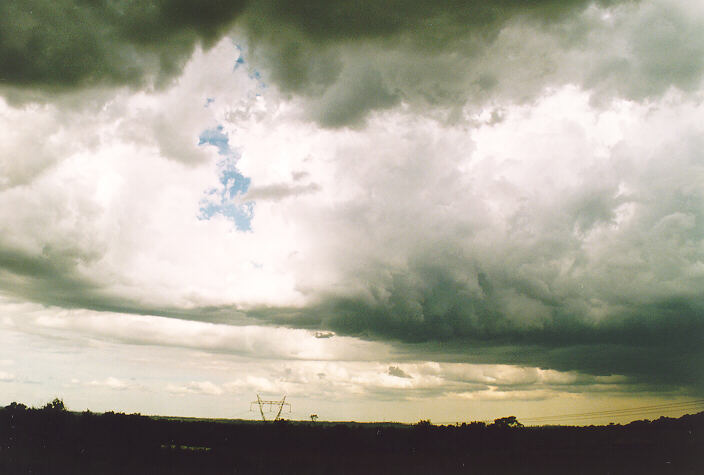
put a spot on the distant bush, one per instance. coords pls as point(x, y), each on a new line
point(509, 421)
point(57, 405)
point(423, 424)
point(16, 407)
point(476, 425)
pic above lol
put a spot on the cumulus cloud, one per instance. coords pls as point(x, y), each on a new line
point(419, 233)
point(594, 255)
point(341, 381)
point(87, 205)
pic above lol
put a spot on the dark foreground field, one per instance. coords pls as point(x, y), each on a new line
point(54, 441)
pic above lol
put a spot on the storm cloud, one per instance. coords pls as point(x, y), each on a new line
point(443, 56)
point(347, 61)
point(462, 182)
point(72, 44)
point(597, 268)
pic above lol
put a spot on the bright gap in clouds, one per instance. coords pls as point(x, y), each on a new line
point(224, 200)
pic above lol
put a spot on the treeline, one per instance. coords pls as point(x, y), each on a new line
point(51, 440)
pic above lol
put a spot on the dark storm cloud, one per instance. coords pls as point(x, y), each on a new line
point(67, 44)
point(398, 372)
point(350, 59)
point(658, 345)
point(433, 26)
point(49, 278)
point(347, 58)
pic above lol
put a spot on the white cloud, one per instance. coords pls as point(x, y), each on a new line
point(493, 394)
point(6, 377)
point(113, 383)
point(250, 340)
point(196, 387)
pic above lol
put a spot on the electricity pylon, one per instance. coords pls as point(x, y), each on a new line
point(271, 404)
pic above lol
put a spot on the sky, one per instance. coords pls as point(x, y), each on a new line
point(403, 210)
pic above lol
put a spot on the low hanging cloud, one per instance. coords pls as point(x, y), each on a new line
point(348, 61)
point(69, 44)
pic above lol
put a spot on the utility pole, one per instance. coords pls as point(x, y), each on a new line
point(271, 405)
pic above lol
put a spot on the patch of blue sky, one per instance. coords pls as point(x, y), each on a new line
point(254, 74)
point(219, 139)
point(223, 200)
point(240, 59)
point(257, 76)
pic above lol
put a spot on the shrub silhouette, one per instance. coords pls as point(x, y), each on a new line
point(509, 421)
point(57, 405)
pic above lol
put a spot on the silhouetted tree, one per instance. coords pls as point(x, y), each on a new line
point(57, 405)
point(509, 421)
point(16, 407)
point(423, 424)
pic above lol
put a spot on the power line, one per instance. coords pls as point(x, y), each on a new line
point(634, 412)
point(652, 406)
point(624, 412)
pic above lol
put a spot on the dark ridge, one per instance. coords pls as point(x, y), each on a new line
point(52, 440)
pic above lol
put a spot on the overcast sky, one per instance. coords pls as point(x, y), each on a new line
point(403, 210)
